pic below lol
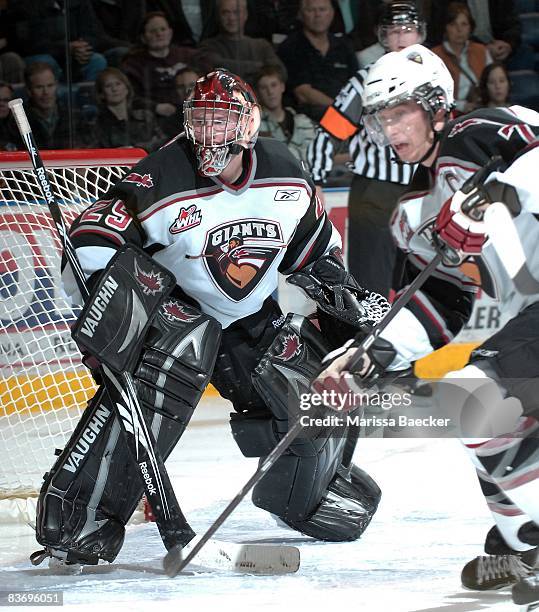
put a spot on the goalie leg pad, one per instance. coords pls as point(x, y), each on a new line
point(345, 510)
point(307, 486)
point(94, 487)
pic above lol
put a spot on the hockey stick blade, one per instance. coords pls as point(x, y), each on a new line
point(503, 234)
point(262, 559)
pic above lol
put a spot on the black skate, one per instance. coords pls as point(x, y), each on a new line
point(526, 592)
point(502, 567)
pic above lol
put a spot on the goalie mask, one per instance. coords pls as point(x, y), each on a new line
point(221, 119)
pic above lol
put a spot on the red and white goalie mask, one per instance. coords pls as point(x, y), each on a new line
point(221, 118)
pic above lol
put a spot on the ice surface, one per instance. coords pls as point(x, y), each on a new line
point(432, 519)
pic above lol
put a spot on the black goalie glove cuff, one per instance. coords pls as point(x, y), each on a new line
point(337, 293)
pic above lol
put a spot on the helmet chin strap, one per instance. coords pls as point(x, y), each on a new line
point(236, 149)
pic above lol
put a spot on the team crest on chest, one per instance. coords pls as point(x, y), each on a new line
point(237, 255)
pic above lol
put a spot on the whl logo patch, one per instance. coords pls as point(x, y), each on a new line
point(141, 180)
point(287, 195)
point(237, 255)
point(187, 219)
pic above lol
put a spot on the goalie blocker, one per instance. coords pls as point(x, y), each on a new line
point(170, 348)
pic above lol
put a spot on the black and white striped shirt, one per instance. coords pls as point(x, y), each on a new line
point(342, 120)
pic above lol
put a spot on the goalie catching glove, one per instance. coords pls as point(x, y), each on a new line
point(337, 293)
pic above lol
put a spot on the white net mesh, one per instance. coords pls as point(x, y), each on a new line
point(43, 386)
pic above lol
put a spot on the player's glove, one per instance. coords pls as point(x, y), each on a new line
point(334, 375)
point(459, 226)
point(338, 294)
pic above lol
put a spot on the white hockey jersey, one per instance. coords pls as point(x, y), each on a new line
point(437, 312)
point(225, 244)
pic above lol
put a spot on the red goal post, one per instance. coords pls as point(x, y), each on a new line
point(43, 385)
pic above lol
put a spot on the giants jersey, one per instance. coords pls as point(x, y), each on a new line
point(224, 243)
point(438, 311)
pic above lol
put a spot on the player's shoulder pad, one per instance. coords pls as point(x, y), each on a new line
point(164, 171)
point(478, 135)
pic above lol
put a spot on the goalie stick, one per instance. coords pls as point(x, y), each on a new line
point(170, 520)
point(172, 525)
point(174, 560)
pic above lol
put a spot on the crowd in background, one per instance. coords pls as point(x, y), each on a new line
point(112, 73)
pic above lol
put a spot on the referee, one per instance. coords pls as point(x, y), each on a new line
point(379, 180)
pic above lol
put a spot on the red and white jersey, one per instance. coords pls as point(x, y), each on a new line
point(439, 310)
point(225, 244)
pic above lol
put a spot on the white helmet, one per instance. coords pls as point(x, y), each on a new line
point(415, 73)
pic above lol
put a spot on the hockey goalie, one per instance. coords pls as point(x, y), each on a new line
point(222, 214)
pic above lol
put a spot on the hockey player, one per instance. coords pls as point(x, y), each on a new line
point(379, 178)
point(225, 212)
point(407, 98)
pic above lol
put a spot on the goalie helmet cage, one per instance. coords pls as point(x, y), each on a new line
point(43, 385)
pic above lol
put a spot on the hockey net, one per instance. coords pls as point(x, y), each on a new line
point(43, 385)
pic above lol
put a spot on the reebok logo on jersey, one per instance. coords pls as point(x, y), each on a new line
point(140, 180)
point(287, 195)
point(187, 218)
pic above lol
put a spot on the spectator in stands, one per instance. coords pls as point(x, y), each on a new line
point(496, 25)
point(282, 123)
point(10, 138)
point(47, 115)
point(494, 85)
point(318, 62)
point(121, 20)
point(273, 20)
point(39, 31)
point(11, 64)
point(464, 58)
point(185, 80)
point(151, 68)
point(231, 48)
point(191, 20)
point(118, 123)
